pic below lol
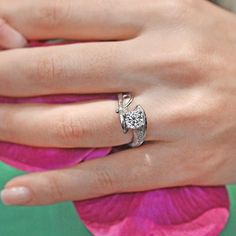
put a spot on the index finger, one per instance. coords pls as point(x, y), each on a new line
point(131, 170)
point(71, 19)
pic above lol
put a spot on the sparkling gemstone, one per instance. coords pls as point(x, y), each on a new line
point(134, 119)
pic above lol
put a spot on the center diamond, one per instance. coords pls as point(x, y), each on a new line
point(134, 119)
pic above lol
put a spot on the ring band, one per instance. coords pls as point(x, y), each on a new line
point(135, 120)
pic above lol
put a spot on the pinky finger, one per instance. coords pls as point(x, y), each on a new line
point(9, 37)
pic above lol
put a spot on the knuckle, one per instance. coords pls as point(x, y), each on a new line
point(68, 131)
point(204, 171)
point(199, 165)
point(7, 119)
point(45, 71)
point(189, 165)
point(56, 193)
point(54, 13)
point(174, 10)
point(173, 7)
point(105, 181)
point(179, 5)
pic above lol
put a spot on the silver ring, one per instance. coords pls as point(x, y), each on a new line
point(135, 120)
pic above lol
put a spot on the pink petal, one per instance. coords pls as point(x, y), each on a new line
point(209, 223)
point(175, 211)
point(38, 159)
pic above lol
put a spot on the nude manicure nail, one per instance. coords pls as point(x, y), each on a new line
point(16, 196)
point(10, 38)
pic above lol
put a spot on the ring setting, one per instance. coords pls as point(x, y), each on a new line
point(135, 120)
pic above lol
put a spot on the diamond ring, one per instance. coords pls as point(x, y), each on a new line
point(135, 120)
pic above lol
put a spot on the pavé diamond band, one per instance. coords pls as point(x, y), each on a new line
point(135, 120)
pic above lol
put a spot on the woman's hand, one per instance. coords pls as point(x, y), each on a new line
point(176, 57)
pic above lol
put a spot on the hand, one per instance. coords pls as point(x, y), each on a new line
point(177, 57)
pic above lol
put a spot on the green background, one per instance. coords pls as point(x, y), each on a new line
point(60, 219)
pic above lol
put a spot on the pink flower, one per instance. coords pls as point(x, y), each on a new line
point(186, 211)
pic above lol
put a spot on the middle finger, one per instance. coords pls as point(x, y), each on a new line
point(80, 68)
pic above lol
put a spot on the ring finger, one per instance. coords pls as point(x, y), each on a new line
point(88, 124)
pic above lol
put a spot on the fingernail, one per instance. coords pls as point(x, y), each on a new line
point(15, 196)
point(18, 41)
point(15, 40)
point(10, 38)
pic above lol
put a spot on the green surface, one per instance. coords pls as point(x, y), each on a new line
point(60, 219)
point(230, 229)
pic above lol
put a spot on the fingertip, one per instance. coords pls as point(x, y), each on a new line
point(10, 38)
point(18, 41)
point(29, 190)
point(16, 196)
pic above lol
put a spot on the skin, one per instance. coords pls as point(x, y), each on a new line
point(177, 57)
point(9, 37)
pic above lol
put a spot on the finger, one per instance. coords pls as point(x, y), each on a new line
point(90, 124)
point(132, 170)
point(84, 20)
point(80, 68)
point(10, 38)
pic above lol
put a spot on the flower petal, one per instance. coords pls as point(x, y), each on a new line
point(37, 159)
point(176, 211)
